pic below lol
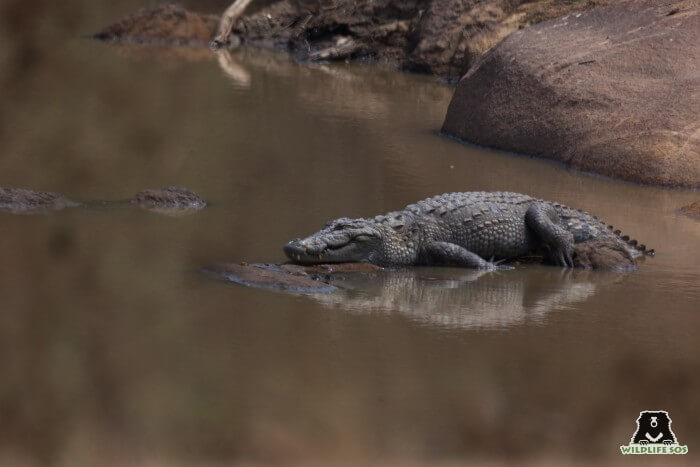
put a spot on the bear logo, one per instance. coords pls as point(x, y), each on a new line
point(654, 427)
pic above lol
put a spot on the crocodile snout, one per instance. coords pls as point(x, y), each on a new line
point(294, 249)
point(305, 251)
point(299, 250)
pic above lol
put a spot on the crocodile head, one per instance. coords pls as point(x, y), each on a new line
point(355, 241)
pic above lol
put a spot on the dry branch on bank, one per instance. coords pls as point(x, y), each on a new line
point(228, 19)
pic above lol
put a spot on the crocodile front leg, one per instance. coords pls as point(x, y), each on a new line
point(543, 221)
point(450, 254)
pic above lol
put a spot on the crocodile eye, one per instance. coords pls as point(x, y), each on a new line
point(398, 226)
point(363, 238)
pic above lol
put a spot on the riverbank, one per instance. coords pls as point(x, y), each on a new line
point(574, 89)
point(441, 37)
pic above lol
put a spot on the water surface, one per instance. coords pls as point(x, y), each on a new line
point(113, 345)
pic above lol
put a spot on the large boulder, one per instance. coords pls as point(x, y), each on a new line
point(614, 90)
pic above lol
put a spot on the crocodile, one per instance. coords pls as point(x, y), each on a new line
point(469, 229)
point(170, 201)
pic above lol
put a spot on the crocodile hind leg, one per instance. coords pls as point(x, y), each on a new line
point(451, 254)
point(543, 221)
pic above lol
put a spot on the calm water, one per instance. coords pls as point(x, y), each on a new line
point(115, 349)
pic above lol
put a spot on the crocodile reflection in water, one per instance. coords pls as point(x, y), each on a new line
point(465, 299)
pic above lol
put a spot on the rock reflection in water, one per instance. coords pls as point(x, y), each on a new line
point(466, 299)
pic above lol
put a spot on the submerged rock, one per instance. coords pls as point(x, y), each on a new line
point(270, 276)
point(288, 277)
point(166, 24)
point(170, 200)
point(331, 268)
point(605, 254)
point(613, 90)
point(19, 200)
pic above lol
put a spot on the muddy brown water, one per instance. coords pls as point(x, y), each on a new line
point(114, 346)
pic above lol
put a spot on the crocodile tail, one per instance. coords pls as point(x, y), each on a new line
point(633, 243)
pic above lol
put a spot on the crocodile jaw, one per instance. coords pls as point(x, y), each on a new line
point(312, 251)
